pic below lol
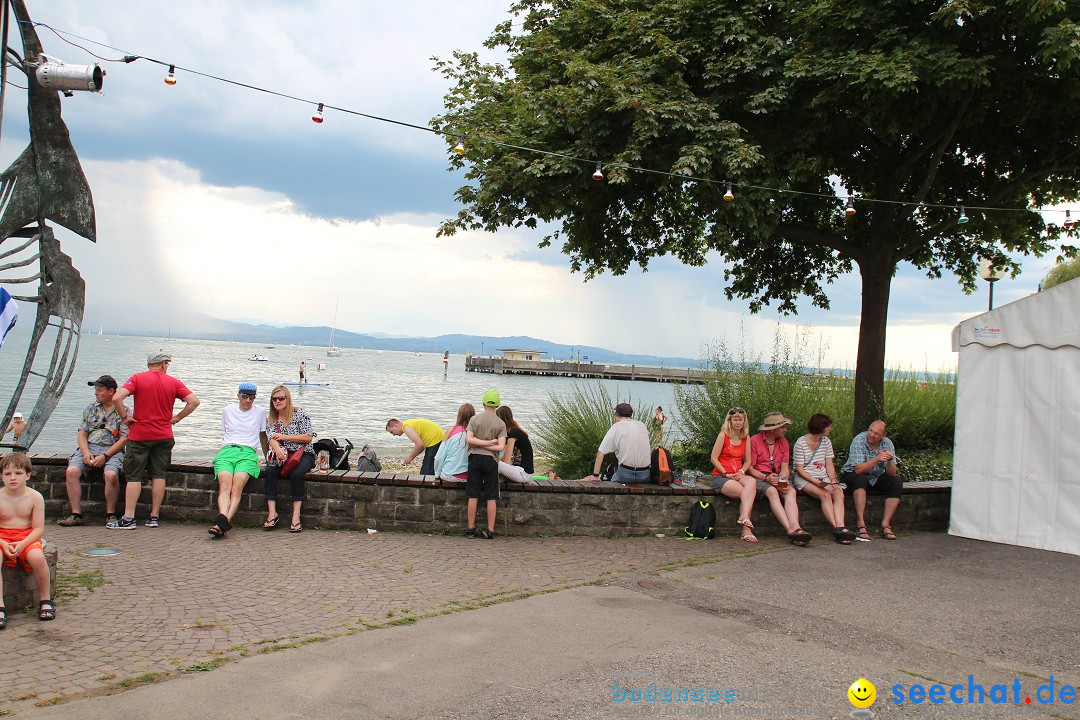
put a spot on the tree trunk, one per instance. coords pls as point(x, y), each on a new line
point(870, 364)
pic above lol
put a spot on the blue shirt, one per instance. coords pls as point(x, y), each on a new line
point(862, 452)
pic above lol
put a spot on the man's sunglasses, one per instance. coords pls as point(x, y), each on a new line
point(248, 395)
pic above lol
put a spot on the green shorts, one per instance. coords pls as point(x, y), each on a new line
point(237, 459)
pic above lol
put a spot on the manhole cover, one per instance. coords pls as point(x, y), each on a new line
point(654, 584)
point(100, 552)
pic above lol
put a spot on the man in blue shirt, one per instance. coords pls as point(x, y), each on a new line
point(871, 467)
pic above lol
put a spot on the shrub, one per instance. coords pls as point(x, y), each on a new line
point(572, 427)
point(920, 407)
point(743, 380)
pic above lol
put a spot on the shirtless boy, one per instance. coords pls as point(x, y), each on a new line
point(22, 519)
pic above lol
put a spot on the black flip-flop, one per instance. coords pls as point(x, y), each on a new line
point(271, 524)
point(800, 536)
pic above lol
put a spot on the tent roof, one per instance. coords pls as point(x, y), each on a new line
point(1050, 319)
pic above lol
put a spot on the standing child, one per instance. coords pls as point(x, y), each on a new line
point(486, 437)
point(22, 519)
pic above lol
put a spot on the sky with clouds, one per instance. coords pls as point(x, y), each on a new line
point(233, 203)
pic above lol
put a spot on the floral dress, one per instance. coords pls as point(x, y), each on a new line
point(300, 424)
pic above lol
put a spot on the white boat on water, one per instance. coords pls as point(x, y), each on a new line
point(259, 358)
point(331, 349)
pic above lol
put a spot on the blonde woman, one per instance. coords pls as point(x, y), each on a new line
point(288, 429)
point(731, 459)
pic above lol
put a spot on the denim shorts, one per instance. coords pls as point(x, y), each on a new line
point(112, 464)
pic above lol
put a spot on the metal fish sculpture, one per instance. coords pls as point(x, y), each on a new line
point(46, 182)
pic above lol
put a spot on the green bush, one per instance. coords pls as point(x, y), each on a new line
point(919, 408)
point(573, 426)
point(744, 380)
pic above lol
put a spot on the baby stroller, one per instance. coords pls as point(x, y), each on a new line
point(339, 455)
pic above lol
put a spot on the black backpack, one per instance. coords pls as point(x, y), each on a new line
point(702, 521)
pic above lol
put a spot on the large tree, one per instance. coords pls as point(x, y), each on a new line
point(912, 108)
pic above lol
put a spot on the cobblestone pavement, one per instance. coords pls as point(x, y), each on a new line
point(174, 600)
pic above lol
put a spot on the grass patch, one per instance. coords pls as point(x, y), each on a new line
point(54, 700)
point(138, 680)
point(25, 696)
point(68, 584)
point(204, 666)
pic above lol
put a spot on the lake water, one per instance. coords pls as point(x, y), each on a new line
point(367, 387)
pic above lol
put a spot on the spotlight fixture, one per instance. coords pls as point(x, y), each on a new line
point(962, 220)
point(459, 149)
point(58, 75)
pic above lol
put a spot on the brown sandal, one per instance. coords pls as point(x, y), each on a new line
point(887, 533)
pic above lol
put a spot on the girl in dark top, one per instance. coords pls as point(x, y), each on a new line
point(519, 450)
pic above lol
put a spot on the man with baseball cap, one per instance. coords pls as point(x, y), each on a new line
point(17, 426)
point(101, 439)
point(486, 438)
point(150, 437)
point(244, 426)
point(629, 440)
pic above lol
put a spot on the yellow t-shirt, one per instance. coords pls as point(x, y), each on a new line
point(430, 433)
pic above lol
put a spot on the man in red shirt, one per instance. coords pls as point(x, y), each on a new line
point(150, 438)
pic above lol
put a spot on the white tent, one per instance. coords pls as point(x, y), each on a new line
point(1016, 463)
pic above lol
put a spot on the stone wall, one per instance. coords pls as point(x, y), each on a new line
point(20, 590)
point(383, 501)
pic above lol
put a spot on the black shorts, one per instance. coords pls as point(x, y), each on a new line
point(483, 479)
point(888, 485)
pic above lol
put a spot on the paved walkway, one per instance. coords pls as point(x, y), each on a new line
point(785, 630)
point(174, 600)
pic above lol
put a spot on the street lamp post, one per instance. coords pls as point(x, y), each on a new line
point(991, 275)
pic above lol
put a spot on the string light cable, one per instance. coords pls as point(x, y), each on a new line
point(846, 200)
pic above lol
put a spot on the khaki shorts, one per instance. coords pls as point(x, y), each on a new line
point(148, 459)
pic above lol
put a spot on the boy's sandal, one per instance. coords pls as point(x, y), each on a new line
point(3, 618)
point(485, 533)
point(887, 533)
point(864, 534)
point(46, 613)
point(270, 524)
point(223, 522)
point(296, 527)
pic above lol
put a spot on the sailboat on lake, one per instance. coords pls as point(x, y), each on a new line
point(331, 349)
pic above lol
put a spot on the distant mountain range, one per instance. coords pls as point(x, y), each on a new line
point(204, 327)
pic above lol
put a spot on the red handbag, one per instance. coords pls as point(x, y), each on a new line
point(292, 461)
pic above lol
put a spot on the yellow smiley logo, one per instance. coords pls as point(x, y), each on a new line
point(862, 693)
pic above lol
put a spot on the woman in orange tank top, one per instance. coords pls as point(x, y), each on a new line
point(731, 458)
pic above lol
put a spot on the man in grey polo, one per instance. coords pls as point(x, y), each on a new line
point(629, 440)
point(101, 439)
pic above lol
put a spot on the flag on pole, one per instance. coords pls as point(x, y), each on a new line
point(9, 313)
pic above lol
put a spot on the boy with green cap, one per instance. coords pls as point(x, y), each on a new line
point(486, 438)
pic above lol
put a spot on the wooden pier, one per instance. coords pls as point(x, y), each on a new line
point(503, 366)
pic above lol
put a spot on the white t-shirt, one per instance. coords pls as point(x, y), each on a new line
point(629, 440)
point(243, 428)
point(818, 468)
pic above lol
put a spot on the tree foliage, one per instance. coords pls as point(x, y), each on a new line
point(1062, 272)
point(912, 107)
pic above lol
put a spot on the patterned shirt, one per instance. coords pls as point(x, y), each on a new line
point(299, 425)
point(102, 427)
point(862, 452)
